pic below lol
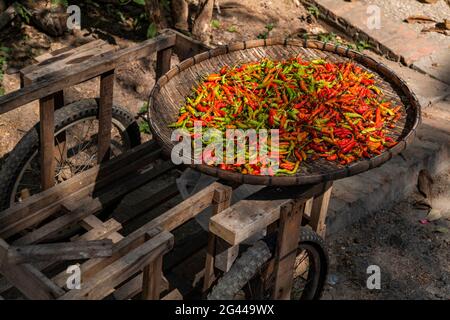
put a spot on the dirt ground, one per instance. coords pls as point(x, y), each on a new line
point(413, 254)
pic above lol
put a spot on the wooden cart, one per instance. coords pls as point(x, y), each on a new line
point(34, 235)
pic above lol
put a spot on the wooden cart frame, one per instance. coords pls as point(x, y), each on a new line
point(113, 264)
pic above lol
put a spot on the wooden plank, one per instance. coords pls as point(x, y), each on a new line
point(319, 210)
point(40, 206)
point(84, 71)
point(60, 251)
point(225, 256)
point(186, 47)
point(168, 221)
point(81, 184)
point(54, 61)
point(123, 268)
point(221, 201)
point(99, 229)
point(105, 116)
point(255, 213)
point(134, 286)
point(151, 280)
point(46, 146)
point(162, 191)
point(27, 279)
point(173, 295)
point(288, 234)
point(95, 234)
point(163, 62)
point(89, 206)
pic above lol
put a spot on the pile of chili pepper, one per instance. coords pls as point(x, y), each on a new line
point(324, 110)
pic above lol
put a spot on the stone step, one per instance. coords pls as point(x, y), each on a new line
point(358, 196)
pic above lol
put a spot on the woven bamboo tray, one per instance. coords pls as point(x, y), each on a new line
point(171, 90)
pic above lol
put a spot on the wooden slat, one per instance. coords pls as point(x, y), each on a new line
point(99, 229)
point(40, 206)
point(89, 206)
point(84, 71)
point(163, 190)
point(60, 251)
point(107, 279)
point(100, 175)
point(173, 295)
point(319, 210)
point(134, 286)
point(221, 201)
point(151, 280)
point(163, 62)
point(27, 279)
point(255, 213)
point(53, 61)
point(105, 116)
point(47, 133)
point(108, 232)
point(288, 234)
point(168, 221)
point(186, 47)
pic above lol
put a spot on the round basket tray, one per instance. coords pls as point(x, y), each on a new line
point(171, 90)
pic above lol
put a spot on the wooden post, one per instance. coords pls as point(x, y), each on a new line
point(221, 200)
point(319, 210)
point(48, 151)
point(152, 278)
point(288, 234)
point(163, 61)
point(105, 115)
point(47, 133)
point(59, 99)
point(60, 149)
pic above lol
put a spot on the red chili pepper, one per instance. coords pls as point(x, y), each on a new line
point(337, 120)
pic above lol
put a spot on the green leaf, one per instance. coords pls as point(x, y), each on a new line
point(5, 50)
point(139, 2)
point(144, 127)
point(313, 10)
point(232, 29)
point(144, 108)
point(152, 30)
point(215, 24)
point(63, 3)
point(270, 27)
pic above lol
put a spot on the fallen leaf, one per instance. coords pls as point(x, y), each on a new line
point(428, 1)
point(434, 214)
point(419, 19)
point(441, 230)
point(424, 221)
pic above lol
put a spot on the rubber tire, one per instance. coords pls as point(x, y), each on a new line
point(254, 258)
point(29, 143)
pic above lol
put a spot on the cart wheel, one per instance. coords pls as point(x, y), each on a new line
point(245, 278)
point(77, 124)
